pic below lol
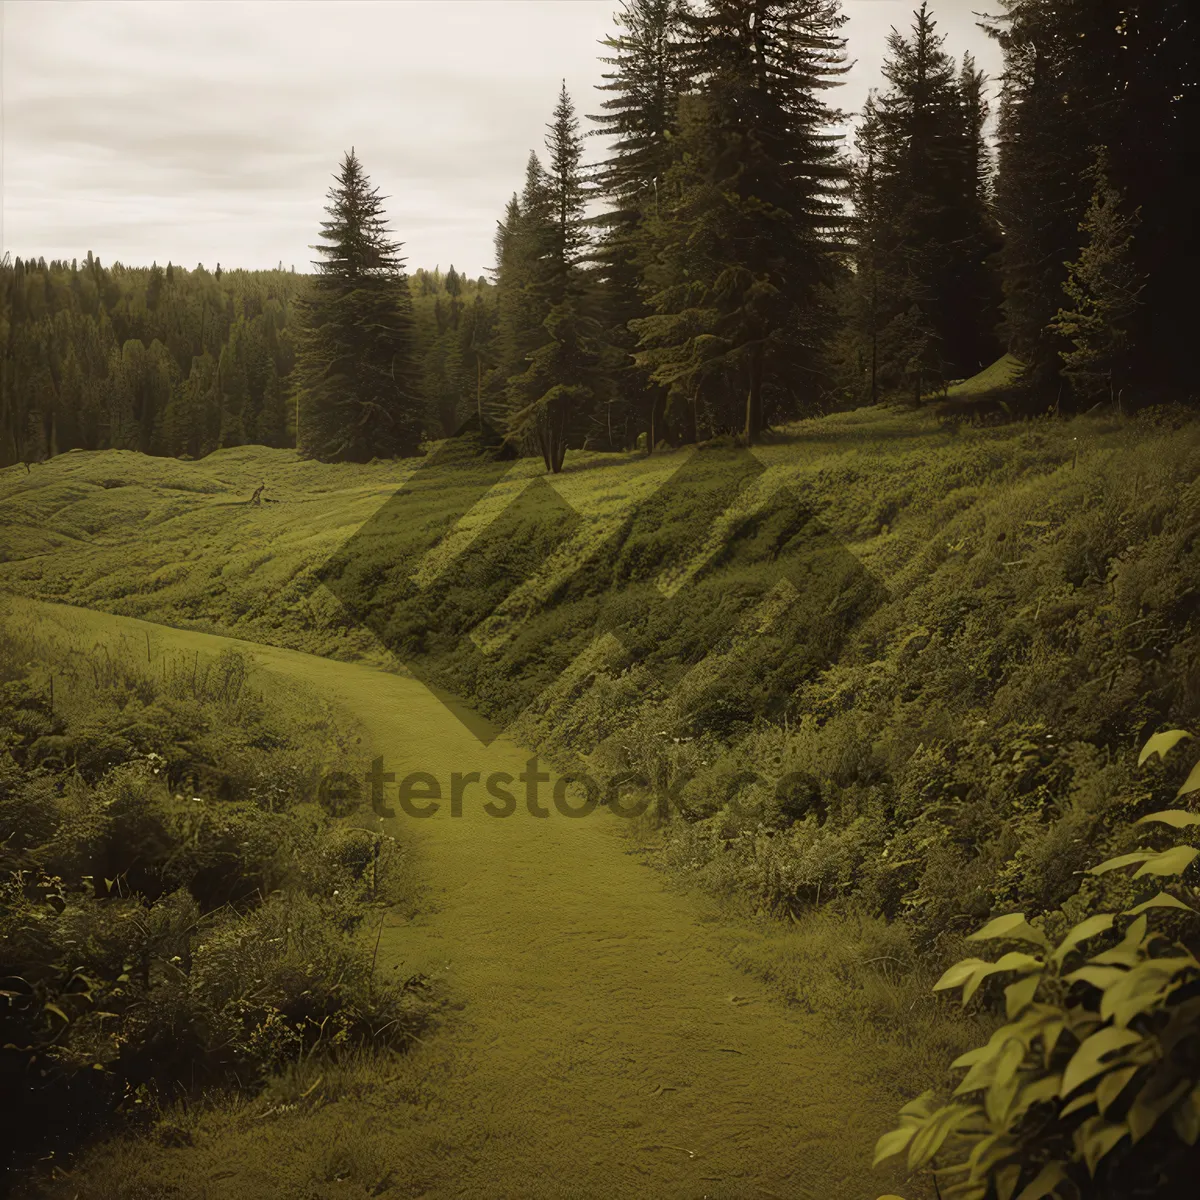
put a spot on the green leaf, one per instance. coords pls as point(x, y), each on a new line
point(1005, 1081)
point(1122, 860)
point(1006, 1180)
point(1096, 1137)
point(1128, 951)
point(1018, 996)
point(1014, 960)
point(1084, 930)
point(983, 1069)
point(1080, 1102)
point(1088, 1061)
point(1100, 977)
point(1141, 989)
point(893, 1142)
point(977, 977)
point(1113, 1084)
point(1191, 783)
point(987, 1152)
point(1050, 1036)
point(1186, 1118)
point(1044, 1182)
point(58, 1012)
point(934, 1132)
point(971, 1057)
point(1014, 926)
point(1040, 1091)
point(1177, 818)
point(1162, 900)
point(1170, 862)
point(1153, 1100)
point(920, 1106)
point(959, 973)
point(1161, 743)
point(983, 1059)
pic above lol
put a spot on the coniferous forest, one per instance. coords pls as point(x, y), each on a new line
point(735, 260)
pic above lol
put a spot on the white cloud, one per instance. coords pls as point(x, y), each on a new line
point(206, 131)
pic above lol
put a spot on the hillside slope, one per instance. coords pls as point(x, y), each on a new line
point(597, 1043)
point(916, 656)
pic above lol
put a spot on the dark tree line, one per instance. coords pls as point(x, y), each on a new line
point(1099, 151)
point(162, 361)
point(731, 263)
point(923, 303)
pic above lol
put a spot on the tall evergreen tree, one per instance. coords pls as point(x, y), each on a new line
point(554, 396)
point(1081, 73)
point(640, 119)
point(354, 371)
point(748, 248)
point(1104, 290)
point(928, 292)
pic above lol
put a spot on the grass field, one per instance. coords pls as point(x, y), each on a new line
point(598, 1039)
point(894, 668)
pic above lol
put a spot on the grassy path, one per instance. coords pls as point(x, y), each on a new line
point(604, 1046)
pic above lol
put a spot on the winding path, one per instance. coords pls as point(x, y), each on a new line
point(604, 1045)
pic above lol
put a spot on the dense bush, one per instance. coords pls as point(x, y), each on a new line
point(1091, 1089)
point(156, 940)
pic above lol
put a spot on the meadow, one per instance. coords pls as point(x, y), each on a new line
point(893, 668)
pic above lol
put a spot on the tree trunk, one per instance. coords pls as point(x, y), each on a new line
point(874, 336)
point(754, 398)
point(558, 441)
point(657, 420)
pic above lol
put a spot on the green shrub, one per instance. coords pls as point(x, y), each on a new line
point(1092, 1087)
point(156, 941)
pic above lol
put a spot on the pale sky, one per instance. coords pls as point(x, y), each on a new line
point(208, 130)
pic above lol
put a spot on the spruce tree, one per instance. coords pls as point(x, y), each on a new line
point(1058, 95)
point(354, 371)
point(749, 247)
point(552, 399)
point(925, 296)
point(639, 118)
point(1104, 288)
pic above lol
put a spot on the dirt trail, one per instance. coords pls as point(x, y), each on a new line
point(605, 1046)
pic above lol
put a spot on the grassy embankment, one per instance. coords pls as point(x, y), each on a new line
point(984, 623)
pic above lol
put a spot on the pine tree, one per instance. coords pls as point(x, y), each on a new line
point(640, 119)
point(925, 295)
point(454, 289)
point(271, 426)
point(477, 349)
point(748, 248)
point(524, 281)
point(566, 196)
point(354, 359)
point(1058, 95)
point(1104, 288)
point(973, 287)
point(860, 366)
point(553, 397)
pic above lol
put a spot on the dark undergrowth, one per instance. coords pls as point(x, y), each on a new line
point(178, 918)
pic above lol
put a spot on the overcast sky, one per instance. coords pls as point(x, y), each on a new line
point(207, 130)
